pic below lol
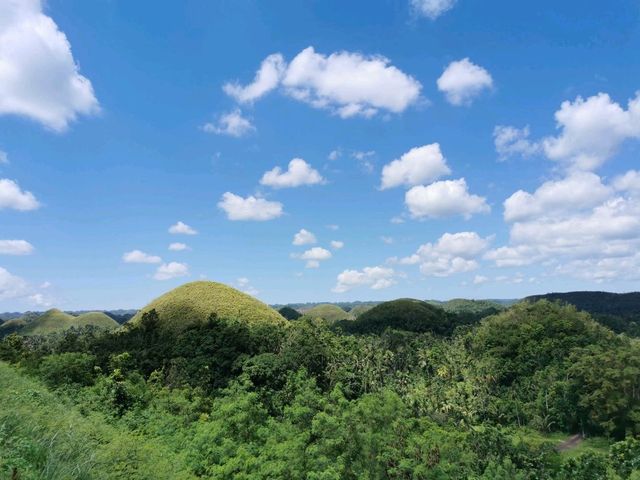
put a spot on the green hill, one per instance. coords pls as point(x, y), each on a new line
point(289, 313)
point(360, 309)
point(50, 321)
point(96, 319)
point(54, 321)
point(403, 314)
point(328, 312)
point(618, 311)
point(196, 301)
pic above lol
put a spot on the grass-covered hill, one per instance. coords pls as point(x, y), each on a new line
point(618, 311)
point(195, 302)
point(55, 321)
point(360, 309)
point(404, 314)
point(328, 312)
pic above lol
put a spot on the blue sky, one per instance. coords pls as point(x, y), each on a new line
point(447, 149)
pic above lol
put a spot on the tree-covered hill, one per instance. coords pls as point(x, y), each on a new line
point(618, 311)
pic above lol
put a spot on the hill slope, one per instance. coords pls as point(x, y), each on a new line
point(328, 312)
point(196, 301)
point(54, 321)
point(96, 319)
point(403, 314)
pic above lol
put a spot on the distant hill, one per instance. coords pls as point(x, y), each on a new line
point(289, 313)
point(328, 312)
point(403, 314)
point(197, 301)
point(54, 321)
point(618, 311)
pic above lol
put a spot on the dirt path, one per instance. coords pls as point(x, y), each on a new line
point(570, 443)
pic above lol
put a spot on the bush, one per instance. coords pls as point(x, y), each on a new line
point(68, 369)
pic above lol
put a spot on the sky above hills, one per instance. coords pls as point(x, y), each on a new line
point(317, 150)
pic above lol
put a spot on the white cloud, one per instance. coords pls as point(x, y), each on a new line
point(630, 182)
point(167, 271)
point(138, 256)
point(304, 237)
point(267, 78)
point(432, 8)
point(337, 244)
point(231, 123)
point(462, 81)
point(348, 84)
point(12, 286)
point(244, 285)
point(299, 173)
point(39, 77)
point(419, 165)
point(375, 278)
point(387, 240)
point(579, 191)
point(15, 247)
point(363, 157)
point(4, 158)
point(11, 196)
point(452, 253)
point(178, 247)
point(249, 208)
point(40, 300)
point(589, 230)
point(333, 227)
point(443, 199)
point(182, 228)
point(480, 279)
point(334, 154)
point(313, 256)
point(511, 141)
point(592, 130)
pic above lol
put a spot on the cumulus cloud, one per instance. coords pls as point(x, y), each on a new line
point(244, 285)
point(170, 270)
point(348, 84)
point(15, 247)
point(444, 199)
point(39, 77)
point(12, 286)
point(298, 173)
point(249, 208)
point(419, 165)
point(375, 278)
point(304, 237)
point(138, 256)
point(231, 123)
point(462, 81)
point(578, 191)
point(630, 182)
point(313, 256)
point(337, 244)
point(11, 196)
point(267, 78)
point(432, 8)
point(452, 253)
point(181, 228)
point(573, 225)
point(511, 141)
point(592, 130)
point(178, 247)
point(480, 279)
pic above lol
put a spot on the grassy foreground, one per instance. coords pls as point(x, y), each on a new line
point(43, 436)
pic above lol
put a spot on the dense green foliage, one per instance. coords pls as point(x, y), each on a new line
point(289, 313)
point(403, 314)
point(424, 397)
point(618, 311)
point(194, 302)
